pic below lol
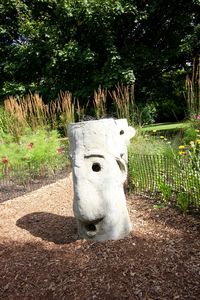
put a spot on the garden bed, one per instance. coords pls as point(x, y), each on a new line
point(41, 257)
point(12, 187)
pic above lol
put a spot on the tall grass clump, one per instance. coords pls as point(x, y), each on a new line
point(65, 109)
point(99, 102)
point(80, 111)
point(31, 111)
point(10, 126)
point(123, 99)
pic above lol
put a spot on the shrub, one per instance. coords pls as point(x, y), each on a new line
point(190, 134)
point(37, 149)
point(165, 171)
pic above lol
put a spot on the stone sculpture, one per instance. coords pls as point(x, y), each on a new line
point(98, 152)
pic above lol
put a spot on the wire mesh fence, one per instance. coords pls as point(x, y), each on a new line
point(22, 178)
point(175, 180)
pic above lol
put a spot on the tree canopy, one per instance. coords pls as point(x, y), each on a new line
point(77, 45)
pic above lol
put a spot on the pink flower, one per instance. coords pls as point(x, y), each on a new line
point(198, 117)
point(30, 146)
point(60, 150)
point(4, 160)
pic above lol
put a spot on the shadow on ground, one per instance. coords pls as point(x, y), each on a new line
point(50, 227)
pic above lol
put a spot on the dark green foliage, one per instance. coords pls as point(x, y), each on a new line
point(50, 45)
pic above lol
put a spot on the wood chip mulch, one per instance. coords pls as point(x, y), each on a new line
point(41, 257)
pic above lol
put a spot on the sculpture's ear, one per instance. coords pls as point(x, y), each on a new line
point(123, 168)
point(132, 132)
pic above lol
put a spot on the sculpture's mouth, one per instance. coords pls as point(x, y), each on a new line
point(91, 228)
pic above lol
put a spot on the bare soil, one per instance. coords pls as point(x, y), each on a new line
point(41, 257)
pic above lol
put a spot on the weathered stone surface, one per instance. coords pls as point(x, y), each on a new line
point(98, 151)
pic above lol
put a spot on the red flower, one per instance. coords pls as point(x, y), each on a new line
point(60, 150)
point(4, 160)
point(30, 146)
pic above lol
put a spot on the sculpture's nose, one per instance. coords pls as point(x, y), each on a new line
point(90, 228)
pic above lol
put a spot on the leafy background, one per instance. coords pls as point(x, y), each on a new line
point(50, 45)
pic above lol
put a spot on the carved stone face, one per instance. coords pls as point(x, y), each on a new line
point(98, 151)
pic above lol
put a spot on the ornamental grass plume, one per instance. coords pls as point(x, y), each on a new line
point(29, 111)
point(123, 99)
point(13, 107)
point(16, 121)
point(66, 109)
point(99, 102)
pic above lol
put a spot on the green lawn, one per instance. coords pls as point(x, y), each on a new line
point(166, 126)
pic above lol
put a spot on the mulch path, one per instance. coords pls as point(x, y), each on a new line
point(41, 257)
point(12, 187)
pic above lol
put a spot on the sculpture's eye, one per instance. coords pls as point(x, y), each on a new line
point(96, 167)
point(121, 132)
